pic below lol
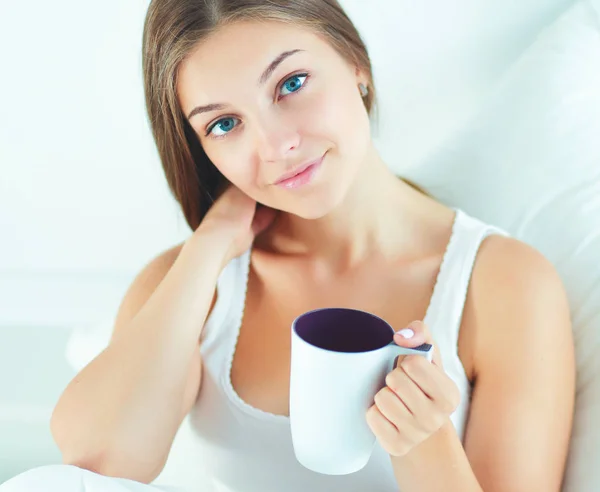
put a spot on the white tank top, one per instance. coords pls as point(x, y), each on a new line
point(244, 449)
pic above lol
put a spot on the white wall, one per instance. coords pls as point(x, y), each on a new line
point(83, 201)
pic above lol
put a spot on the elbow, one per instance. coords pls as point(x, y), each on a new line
point(95, 463)
point(115, 466)
point(86, 451)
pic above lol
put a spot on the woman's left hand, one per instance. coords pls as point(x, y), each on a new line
point(417, 400)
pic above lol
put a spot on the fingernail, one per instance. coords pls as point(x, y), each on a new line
point(406, 333)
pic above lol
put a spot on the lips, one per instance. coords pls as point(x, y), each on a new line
point(297, 170)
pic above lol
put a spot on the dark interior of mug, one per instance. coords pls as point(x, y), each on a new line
point(343, 330)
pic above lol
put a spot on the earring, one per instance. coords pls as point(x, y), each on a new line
point(363, 89)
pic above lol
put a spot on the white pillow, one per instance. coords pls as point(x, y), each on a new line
point(529, 162)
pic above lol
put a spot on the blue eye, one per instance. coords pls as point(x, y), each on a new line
point(291, 84)
point(224, 125)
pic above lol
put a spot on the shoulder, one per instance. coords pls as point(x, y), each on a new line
point(144, 284)
point(507, 268)
point(517, 319)
point(160, 264)
point(516, 297)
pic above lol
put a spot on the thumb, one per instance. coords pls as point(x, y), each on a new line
point(415, 334)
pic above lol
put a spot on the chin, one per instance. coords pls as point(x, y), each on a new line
point(312, 214)
point(326, 195)
point(313, 206)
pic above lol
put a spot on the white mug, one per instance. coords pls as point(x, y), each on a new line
point(339, 360)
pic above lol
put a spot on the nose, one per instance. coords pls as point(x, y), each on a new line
point(276, 139)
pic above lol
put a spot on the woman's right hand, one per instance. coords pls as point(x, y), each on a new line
point(236, 219)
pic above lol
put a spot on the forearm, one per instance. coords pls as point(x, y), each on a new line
point(126, 403)
point(437, 464)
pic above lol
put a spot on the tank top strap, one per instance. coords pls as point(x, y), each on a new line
point(231, 296)
point(444, 314)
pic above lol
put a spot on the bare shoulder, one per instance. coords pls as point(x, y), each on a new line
point(144, 284)
point(517, 322)
point(515, 296)
point(138, 293)
point(507, 268)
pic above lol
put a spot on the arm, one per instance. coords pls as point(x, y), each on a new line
point(120, 414)
point(517, 435)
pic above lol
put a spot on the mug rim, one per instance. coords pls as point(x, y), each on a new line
point(332, 308)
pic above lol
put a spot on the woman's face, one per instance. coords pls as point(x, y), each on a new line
point(274, 118)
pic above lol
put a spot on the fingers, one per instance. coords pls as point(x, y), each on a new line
point(415, 334)
point(263, 218)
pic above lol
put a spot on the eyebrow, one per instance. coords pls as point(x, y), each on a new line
point(261, 81)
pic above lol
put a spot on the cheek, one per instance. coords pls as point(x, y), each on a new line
point(235, 165)
point(341, 116)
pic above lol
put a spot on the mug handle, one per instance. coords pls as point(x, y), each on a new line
point(425, 350)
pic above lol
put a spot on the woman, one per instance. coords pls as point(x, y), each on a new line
point(269, 102)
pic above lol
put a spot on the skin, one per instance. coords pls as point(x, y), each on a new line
point(358, 236)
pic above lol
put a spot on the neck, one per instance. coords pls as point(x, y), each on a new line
point(373, 216)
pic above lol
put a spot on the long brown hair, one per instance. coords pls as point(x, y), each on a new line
point(172, 29)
